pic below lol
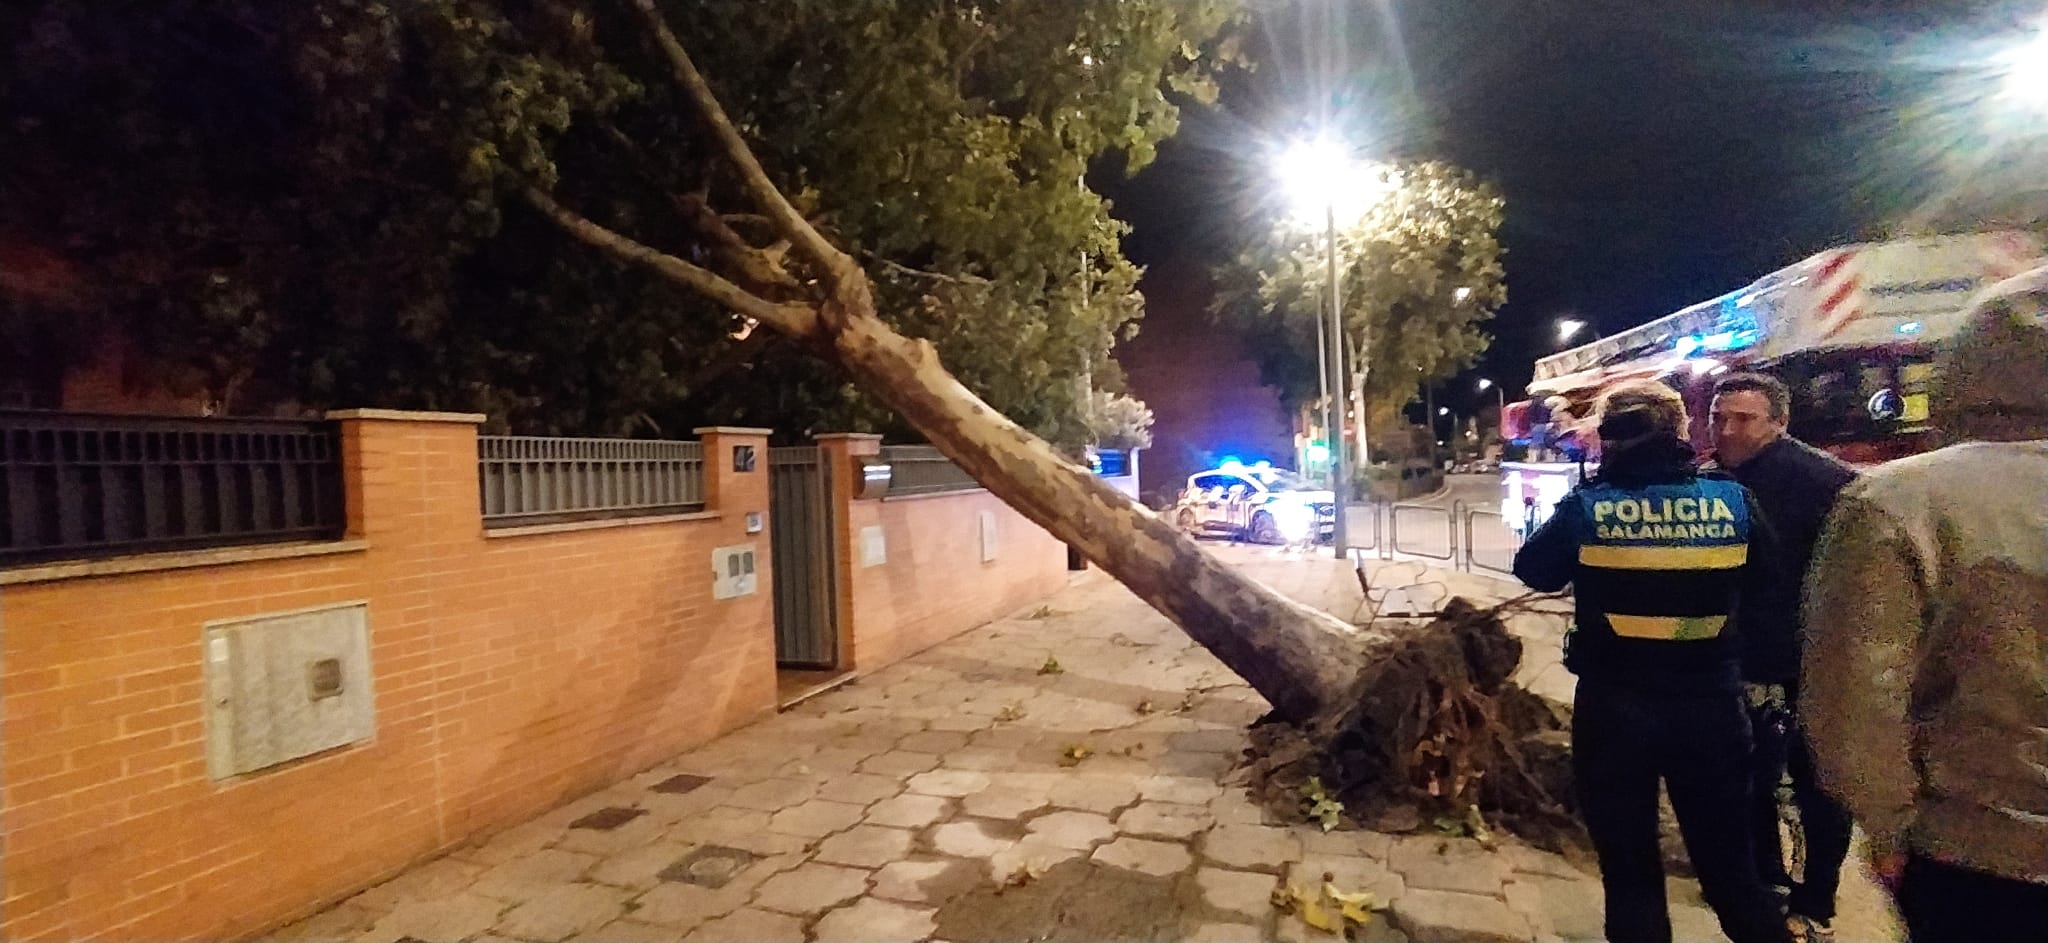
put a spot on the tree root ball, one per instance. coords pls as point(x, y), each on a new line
point(1435, 733)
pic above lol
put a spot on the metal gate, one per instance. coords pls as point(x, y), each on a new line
point(800, 529)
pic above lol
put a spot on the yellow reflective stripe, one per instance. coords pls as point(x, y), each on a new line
point(1615, 557)
point(1668, 628)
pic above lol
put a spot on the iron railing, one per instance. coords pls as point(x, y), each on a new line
point(79, 486)
point(1422, 530)
point(533, 480)
point(1489, 544)
point(1365, 526)
point(921, 469)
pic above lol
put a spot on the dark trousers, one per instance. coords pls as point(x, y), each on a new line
point(1623, 741)
point(1943, 903)
point(1824, 825)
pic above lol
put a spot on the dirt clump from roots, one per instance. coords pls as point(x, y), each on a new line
point(1435, 736)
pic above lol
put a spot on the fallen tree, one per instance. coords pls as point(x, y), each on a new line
point(1379, 711)
point(798, 283)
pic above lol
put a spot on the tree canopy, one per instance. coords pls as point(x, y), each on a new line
point(322, 203)
point(1420, 274)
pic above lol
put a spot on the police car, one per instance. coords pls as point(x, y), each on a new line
point(1257, 503)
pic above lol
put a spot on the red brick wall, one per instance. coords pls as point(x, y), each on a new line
point(935, 585)
point(511, 673)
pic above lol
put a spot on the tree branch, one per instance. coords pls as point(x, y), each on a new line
point(761, 268)
point(794, 320)
point(836, 265)
point(901, 269)
point(729, 358)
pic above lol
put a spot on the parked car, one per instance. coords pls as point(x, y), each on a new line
point(1256, 503)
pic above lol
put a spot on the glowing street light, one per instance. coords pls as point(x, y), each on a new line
point(1568, 328)
point(1461, 294)
point(1443, 410)
point(1320, 178)
point(1500, 393)
point(2027, 76)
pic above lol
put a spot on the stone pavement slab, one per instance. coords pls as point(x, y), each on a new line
point(901, 803)
point(877, 921)
point(1164, 820)
point(1068, 829)
point(1429, 916)
point(866, 846)
point(1156, 858)
point(754, 926)
point(1245, 893)
point(812, 888)
point(564, 911)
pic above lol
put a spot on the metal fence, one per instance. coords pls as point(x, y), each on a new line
point(1422, 530)
point(529, 480)
point(921, 469)
point(1364, 526)
point(1489, 544)
point(74, 486)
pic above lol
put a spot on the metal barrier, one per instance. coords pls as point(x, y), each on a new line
point(527, 479)
point(1365, 527)
point(75, 486)
point(1489, 544)
point(922, 469)
point(1423, 535)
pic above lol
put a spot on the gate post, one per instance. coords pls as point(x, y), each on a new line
point(840, 452)
point(735, 470)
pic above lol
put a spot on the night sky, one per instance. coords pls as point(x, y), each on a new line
point(1653, 154)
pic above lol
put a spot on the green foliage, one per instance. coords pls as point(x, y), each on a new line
point(317, 203)
point(1402, 268)
point(1116, 421)
point(1318, 804)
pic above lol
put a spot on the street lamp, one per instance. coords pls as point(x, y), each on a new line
point(1500, 393)
point(1461, 294)
point(1321, 180)
point(2027, 76)
point(1568, 328)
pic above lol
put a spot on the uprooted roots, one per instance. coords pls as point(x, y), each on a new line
point(1436, 734)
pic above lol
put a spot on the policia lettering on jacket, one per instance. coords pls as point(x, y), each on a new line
point(1671, 518)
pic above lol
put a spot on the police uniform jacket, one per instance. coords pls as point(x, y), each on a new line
point(1659, 557)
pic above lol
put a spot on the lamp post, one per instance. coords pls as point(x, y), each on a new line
point(1318, 175)
point(1568, 328)
point(1340, 474)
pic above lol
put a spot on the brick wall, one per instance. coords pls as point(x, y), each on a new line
point(934, 584)
point(512, 672)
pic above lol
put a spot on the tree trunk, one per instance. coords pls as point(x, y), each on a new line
point(1303, 661)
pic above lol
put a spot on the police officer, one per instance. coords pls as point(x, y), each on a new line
point(1659, 557)
point(1796, 485)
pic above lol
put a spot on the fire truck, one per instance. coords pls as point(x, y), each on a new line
point(1851, 331)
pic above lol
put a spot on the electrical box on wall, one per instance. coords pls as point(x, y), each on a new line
point(988, 536)
point(874, 546)
point(732, 572)
point(287, 685)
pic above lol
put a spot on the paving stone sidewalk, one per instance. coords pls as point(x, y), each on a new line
point(898, 808)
